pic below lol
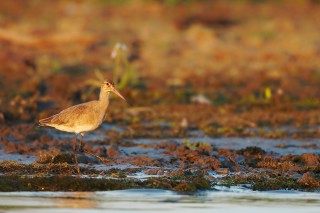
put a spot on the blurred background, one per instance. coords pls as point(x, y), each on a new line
point(227, 56)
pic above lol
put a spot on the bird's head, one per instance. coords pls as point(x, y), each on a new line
point(108, 87)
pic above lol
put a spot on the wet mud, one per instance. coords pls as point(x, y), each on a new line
point(45, 161)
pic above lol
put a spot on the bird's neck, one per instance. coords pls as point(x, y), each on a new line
point(104, 100)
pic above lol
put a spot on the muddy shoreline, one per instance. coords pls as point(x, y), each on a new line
point(181, 164)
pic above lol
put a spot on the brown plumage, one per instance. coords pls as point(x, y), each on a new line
point(77, 119)
point(82, 118)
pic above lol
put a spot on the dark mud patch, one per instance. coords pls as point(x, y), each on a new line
point(114, 180)
point(181, 181)
point(268, 181)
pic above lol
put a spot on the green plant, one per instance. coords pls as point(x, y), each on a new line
point(194, 145)
point(124, 74)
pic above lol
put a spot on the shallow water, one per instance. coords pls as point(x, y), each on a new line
point(225, 200)
point(280, 146)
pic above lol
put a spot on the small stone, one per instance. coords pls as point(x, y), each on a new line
point(11, 148)
point(113, 151)
point(309, 180)
point(200, 99)
point(268, 162)
point(2, 120)
point(223, 171)
point(45, 156)
point(310, 159)
point(63, 157)
point(119, 174)
point(184, 123)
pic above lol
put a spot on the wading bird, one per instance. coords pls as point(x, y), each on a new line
point(83, 117)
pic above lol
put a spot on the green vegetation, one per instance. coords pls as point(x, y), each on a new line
point(124, 74)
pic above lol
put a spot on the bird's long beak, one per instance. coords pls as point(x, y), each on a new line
point(118, 93)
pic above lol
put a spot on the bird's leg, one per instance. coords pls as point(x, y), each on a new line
point(80, 147)
point(75, 154)
point(95, 156)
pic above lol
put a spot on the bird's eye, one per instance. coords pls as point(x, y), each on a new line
point(108, 84)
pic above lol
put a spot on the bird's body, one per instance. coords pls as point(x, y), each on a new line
point(77, 119)
point(83, 117)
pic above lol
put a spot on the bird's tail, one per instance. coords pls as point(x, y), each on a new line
point(44, 122)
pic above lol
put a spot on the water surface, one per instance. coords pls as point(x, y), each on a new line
point(225, 200)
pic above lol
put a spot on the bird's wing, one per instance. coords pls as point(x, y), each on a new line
point(68, 116)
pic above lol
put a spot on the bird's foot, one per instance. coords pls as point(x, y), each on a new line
point(81, 149)
point(78, 170)
point(94, 155)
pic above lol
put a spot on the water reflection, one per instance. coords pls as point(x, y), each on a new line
point(79, 200)
point(160, 201)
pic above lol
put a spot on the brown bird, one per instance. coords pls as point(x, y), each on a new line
point(83, 117)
